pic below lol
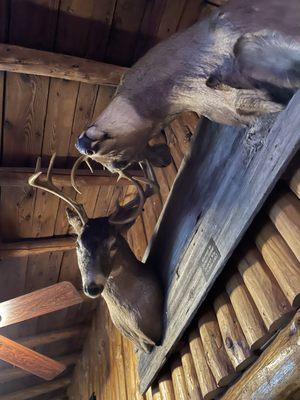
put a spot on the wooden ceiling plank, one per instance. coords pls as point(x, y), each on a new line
point(149, 26)
point(103, 11)
point(190, 14)
point(104, 97)
point(3, 38)
point(33, 391)
point(170, 18)
point(12, 374)
point(124, 31)
point(40, 302)
point(62, 102)
point(75, 18)
point(29, 360)
point(25, 108)
point(48, 64)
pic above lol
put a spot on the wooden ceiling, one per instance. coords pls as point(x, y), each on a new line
point(41, 115)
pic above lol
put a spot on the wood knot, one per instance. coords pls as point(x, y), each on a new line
point(27, 218)
point(294, 326)
point(229, 342)
point(188, 136)
point(7, 124)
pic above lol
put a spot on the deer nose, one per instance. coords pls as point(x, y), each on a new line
point(93, 290)
point(84, 145)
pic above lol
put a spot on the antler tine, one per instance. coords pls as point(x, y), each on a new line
point(140, 199)
point(79, 160)
point(38, 164)
point(47, 185)
point(152, 178)
point(149, 179)
point(50, 167)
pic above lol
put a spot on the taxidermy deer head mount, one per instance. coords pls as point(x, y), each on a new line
point(107, 264)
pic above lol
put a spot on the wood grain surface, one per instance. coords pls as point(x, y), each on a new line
point(29, 360)
point(42, 63)
point(40, 302)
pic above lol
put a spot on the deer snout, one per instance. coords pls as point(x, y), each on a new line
point(93, 290)
point(85, 145)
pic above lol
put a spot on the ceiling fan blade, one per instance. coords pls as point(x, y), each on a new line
point(40, 302)
point(29, 360)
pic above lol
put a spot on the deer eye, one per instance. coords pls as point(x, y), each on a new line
point(106, 136)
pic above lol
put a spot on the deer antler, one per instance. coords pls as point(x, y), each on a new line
point(48, 185)
point(79, 160)
point(136, 205)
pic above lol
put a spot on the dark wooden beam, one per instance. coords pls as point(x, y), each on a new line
point(27, 247)
point(222, 186)
point(275, 375)
point(47, 338)
point(33, 391)
point(61, 177)
point(12, 374)
point(37, 62)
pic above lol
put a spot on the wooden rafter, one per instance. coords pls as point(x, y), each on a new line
point(12, 374)
point(37, 303)
point(18, 177)
point(27, 247)
point(36, 62)
point(29, 360)
point(53, 336)
point(38, 390)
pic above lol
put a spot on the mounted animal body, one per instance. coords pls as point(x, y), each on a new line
point(241, 63)
point(109, 267)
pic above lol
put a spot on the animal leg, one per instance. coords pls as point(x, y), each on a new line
point(269, 57)
point(250, 102)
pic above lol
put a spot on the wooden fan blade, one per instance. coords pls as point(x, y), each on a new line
point(40, 302)
point(29, 360)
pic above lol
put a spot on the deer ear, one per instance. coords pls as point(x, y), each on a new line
point(74, 221)
point(158, 154)
point(122, 228)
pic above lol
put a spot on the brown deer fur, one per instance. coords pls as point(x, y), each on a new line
point(241, 63)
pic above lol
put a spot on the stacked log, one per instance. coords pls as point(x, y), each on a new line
point(269, 299)
point(276, 373)
point(215, 352)
point(207, 382)
point(250, 320)
point(190, 375)
point(178, 378)
point(166, 387)
point(234, 341)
